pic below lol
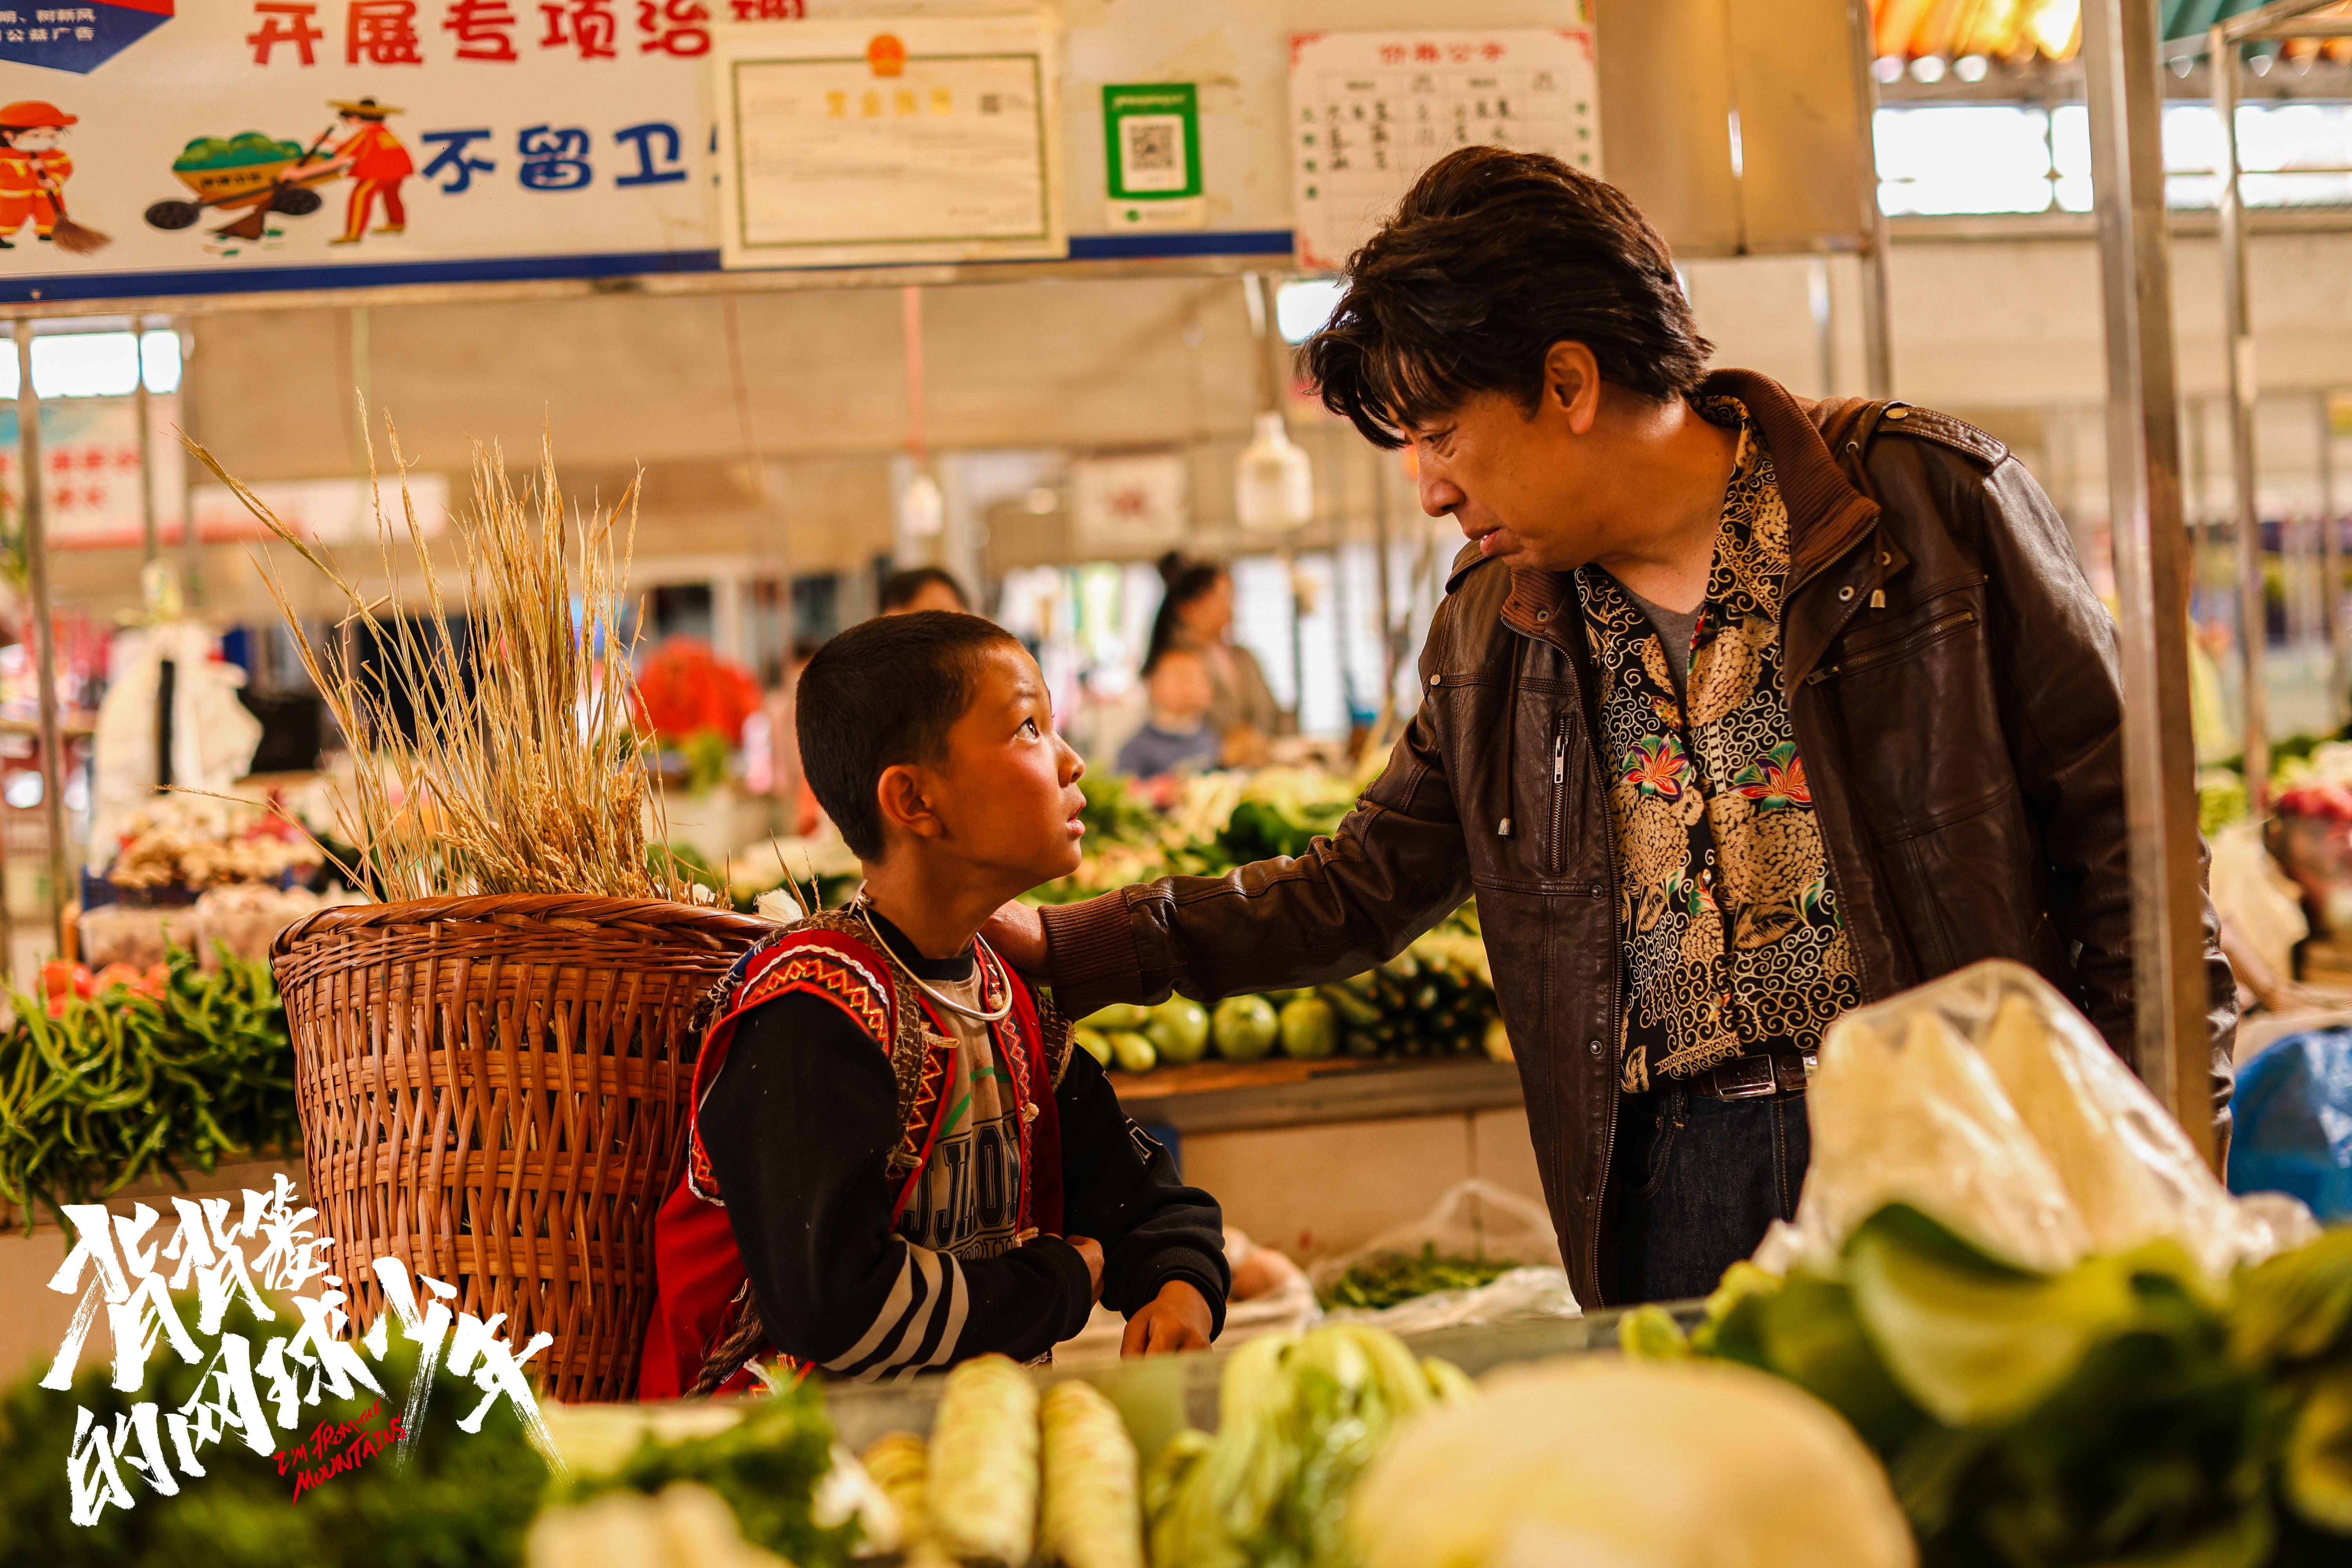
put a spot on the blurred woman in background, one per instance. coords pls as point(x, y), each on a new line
point(1197, 614)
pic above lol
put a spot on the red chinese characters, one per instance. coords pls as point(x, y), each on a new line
point(588, 26)
point(382, 33)
point(280, 22)
point(674, 27)
point(483, 28)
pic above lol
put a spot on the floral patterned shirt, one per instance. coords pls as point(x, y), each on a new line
point(1733, 941)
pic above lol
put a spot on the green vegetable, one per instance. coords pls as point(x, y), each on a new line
point(1117, 1016)
point(465, 1498)
point(1094, 1042)
point(1132, 1051)
point(1381, 1280)
point(767, 1466)
point(1245, 1028)
point(1310, 1029)
point(1299, 1417)
point(2112, 1412)
point(120, 1087)
point(1178, 1030)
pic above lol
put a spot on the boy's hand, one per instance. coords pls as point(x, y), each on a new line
point(1018, 934)
point(1091, 1250)
point(1175, 1320)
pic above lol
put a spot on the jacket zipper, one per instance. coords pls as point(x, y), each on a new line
point(1558, 790)
point(1885, 651)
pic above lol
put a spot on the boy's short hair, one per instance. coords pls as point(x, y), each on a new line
point(884, 692)
point(1493, 257)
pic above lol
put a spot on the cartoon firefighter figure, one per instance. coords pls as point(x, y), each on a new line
point(33, 172)
point(376, 162)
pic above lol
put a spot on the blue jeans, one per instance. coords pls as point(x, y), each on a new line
point(1694, 1184)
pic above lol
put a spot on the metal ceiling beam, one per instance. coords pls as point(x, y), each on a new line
point(2151, 547)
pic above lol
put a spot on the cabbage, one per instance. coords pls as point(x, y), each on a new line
point(1621, 1464)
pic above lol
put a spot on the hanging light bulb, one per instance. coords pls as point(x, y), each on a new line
point(1273, 486)
point(922, 510)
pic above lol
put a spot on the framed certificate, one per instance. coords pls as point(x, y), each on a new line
point(908, 140)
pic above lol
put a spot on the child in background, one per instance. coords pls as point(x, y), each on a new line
point(895, 1159)
point(1176, 737)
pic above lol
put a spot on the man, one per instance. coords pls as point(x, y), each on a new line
point(1741, 712)
point(376, 163)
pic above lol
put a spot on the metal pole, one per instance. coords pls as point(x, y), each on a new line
point(2253, 627)
point(2144, 499)
point(2331, 573)
point(44, 631)
point(147, 542)
point(1878, 328)
point(191, 557)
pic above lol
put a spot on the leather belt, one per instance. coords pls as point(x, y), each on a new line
point(1753, 1077)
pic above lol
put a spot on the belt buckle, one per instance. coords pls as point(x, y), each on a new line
point(1793, 1072)
point(1748, 1078)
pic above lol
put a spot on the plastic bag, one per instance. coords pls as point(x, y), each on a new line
point(2294, 1134)
point(1985, 1100)
point(1477, 1220)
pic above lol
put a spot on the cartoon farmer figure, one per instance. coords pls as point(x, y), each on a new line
point(376, 162)
point(33, 167)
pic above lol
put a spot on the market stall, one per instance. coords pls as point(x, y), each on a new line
point(2018, 1319)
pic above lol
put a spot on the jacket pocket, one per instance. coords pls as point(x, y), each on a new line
point(1971, 888)
point(1904, 646)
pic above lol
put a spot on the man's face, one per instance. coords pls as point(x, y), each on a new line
point(1512, 480)
point(1008, 791)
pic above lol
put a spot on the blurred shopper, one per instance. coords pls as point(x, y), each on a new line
point(1177, 738)
point(1197, 614)
point(922, 588)
point(1741, 711)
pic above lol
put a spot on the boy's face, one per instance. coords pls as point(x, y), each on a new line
point(1180, 685)
point(1008, 794)
point(37, 138)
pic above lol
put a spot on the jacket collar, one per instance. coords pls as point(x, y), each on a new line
point(1828, 513)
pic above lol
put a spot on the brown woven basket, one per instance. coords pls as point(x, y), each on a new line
point(494, 1091)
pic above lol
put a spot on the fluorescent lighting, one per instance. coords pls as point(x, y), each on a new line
point(95, 364)
point(1301, 308)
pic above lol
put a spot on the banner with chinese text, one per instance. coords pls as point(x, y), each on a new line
point(263, 144)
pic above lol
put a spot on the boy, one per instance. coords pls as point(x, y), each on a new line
point(1176, 737)
point(896, 1160)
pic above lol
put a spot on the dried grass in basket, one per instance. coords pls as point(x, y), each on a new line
point(493, 1071)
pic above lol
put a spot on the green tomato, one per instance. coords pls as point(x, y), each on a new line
point(1245, 1028)
point(1178, 1030)
point(1134, 1052)
point(1310, 1029)
point(1094, 1042)
point(1117, 1016)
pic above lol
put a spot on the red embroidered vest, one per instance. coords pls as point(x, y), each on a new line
point(698, 1276)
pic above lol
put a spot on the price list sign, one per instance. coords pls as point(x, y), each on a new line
point(1369, 111)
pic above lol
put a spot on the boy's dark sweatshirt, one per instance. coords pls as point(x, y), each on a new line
point(798, 1127)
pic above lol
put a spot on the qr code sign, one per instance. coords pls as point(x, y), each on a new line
point(1150, 146)
point(1151, 152)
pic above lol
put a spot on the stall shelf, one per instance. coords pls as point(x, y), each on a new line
point(1239, 1097)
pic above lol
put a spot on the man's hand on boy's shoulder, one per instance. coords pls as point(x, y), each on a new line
point(1017, 933)
point(1178, 1318)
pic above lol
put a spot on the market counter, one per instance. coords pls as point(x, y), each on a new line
point(1159, 1396)
point(1237, 1096)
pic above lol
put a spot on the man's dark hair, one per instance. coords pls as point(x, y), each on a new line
point(898, 590)
point(884, 692)
point(1492, 258)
